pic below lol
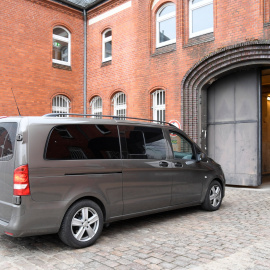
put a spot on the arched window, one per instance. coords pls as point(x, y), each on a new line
point(159, 105)
point(166, 25)
point(60, 104)
point(107, 45)
point(96, 106)
point(119, 105)
point(61, 46)
point(201, 17)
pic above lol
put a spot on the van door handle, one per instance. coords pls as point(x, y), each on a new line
point(163, 164)
point(178, 164)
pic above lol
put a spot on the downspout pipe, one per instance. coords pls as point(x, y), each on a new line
point(85, 63)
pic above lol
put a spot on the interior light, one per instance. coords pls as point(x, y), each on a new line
point(268, 98)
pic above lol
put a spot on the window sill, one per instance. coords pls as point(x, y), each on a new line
point(164, 49)
point(200, 39)
point(107, 63)
point(59, 66)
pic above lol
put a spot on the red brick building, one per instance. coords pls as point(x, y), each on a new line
point(204, 63)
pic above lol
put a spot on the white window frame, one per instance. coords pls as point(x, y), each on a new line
point(163, 18)
point(68, 41)
point(58, 108)
point(159, 105)
point(193, 7)
point(104, 41)
point(96, 106)
point(118, 107)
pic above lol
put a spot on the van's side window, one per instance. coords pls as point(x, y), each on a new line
point(83, 142)
point(7, 140)
point(142, 143)
point(182, 148)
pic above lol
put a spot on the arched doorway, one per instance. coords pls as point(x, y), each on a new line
point(227, 88)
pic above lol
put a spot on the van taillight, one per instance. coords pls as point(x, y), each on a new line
point(21, 181)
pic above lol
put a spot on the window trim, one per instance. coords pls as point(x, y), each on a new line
point(57, 108)
point(68, 41)
point(156, 107)
point(119, 107)
point(163, 18)
point(104, 41)
point(193, 7)
point(96, 111)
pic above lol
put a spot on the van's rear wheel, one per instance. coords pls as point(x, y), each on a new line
point(82, 224)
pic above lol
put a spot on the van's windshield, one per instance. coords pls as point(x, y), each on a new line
point(7, 140)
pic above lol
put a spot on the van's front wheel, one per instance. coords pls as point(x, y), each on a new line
point(82, 224)
point(213, 197)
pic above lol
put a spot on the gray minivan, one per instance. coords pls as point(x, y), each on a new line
point(71, 175)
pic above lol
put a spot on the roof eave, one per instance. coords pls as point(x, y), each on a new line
point(80, 7)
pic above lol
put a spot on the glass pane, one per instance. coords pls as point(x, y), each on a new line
point(167, 10)
point(83, 142)
point(7, 140)
point(155, 143)
point(142, 143)
point(60, 32)
point(202, 18)
point(167, 30)
point(64, 54)
point(108, 49)
point(135, 143)
point(182, 149)
point(108, 34)
point(60, 50)
point(97, 104)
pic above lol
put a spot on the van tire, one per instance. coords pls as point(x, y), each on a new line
point(213, 197)
point(82, 224)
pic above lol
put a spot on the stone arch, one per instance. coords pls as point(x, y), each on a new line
point(210, 68)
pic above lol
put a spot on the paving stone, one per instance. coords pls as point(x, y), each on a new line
point(234, 237)
point(154, 260)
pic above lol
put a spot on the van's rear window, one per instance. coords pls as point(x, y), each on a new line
point(7, 140)
point(68, 142)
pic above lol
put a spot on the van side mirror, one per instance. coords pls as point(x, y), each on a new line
point(201, 157)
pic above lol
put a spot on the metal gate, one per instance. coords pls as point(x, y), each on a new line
point(234, 126)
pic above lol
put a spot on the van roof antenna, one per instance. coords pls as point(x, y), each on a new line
point(16, 102)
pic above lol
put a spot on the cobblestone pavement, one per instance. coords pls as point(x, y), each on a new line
point(235, 237)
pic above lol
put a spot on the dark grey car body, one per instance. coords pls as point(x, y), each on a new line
point(122, 187)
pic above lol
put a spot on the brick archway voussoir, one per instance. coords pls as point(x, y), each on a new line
point(210, 68)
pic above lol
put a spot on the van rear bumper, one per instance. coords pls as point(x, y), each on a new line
point(34, 218)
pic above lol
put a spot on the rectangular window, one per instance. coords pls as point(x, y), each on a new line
point(7, 140)
point(142, 143)
point(201, 17)
point(69, 142)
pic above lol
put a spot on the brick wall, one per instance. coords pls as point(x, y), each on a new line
point(138, 68)
point(26, 57)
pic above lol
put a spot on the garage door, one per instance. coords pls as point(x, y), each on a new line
point(233, 126)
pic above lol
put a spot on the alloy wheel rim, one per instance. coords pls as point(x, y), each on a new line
point(85, 224)
point(215, 196)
